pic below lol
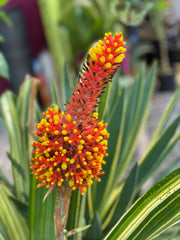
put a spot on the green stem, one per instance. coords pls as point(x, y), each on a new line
point(61, 210)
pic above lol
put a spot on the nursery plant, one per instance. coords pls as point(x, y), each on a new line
point(64, 22)
point(89, 183)
point(157, 20)
point(4, 17)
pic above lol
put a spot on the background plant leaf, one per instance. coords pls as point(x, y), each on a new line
point(14, 223)
point(4, 71)
point(3, 2)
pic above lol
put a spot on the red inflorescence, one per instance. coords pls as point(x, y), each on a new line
point(68, 150)
point(102, 62)
point(72, 144)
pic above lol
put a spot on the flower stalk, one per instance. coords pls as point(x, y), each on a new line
point(61, 210)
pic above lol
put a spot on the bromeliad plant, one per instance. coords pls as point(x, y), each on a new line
point(72, 144)
point(70, 150)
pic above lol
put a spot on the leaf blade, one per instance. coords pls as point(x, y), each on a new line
point(41, 214)
point(150, 158)
point(158, 197)
point(4, 71)
point(12, 124)
point(14, 223)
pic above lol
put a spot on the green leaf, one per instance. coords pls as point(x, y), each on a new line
point(41, 214)
point(116, 120)
point(96, 191)
point(18, 115)
point(135, 116)
point(6, 182)
point(119, 200)
point(3, 2)
point(172, 233)
point(133, 101)
point(3, 231)
point(119, 127)
point(1, 39)
point(58, 40)
point(26, 107)
point(81, 223)
point(104, 102)
point(26, 96)
point(66, 85)
point(167, 114)
point(94, 232)
point(153, 213)
point(21, 207)
point(2, 237)
point(4, 71)
point(74, 209)
point(14, 223)
point(16, 165)
point(54, 92)
point(164, 154)
point(112, 98)
point(126, 194)
point(16, 144)
point(149, 162)
point(5, 18)
point(124, 129)
point(104, 187)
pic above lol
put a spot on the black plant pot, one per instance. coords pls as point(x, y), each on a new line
point(167, 82)
point(174, 55)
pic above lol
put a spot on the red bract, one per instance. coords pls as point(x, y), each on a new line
point(72, 144)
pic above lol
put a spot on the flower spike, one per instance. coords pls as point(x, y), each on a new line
point(69, 151)
point(102, 62)
point(72, 144)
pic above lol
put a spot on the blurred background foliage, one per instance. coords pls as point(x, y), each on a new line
point(70, 28)
point(4, 17)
